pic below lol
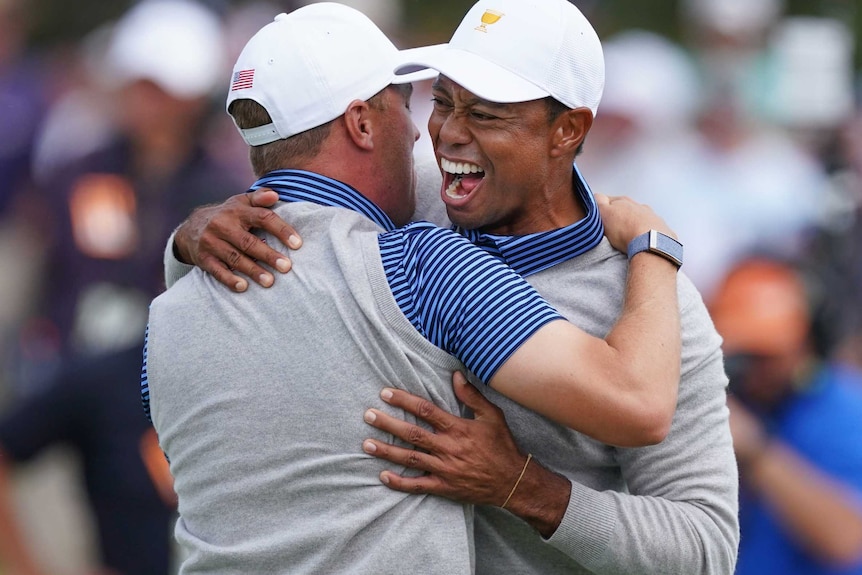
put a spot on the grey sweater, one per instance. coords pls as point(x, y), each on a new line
point(258, 401)
point(667, 509)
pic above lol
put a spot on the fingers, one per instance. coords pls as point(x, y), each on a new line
point(401, 429)
point(219, 240)
point(232, 226)
point(402, 456)
point(271, 222)
point(223, 275)
point(421, 408)
point(417, 485)
point(221, 258)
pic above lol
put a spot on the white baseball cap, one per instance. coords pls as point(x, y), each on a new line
point(178, 44)
point(305, 67)
point(520, 50)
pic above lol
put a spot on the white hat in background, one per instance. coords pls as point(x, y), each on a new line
point(307, 66)
point(520, 50)
point(734, 17)
point(177, 44)
point(650, 80)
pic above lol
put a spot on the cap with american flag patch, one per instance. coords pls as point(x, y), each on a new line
point(306, 67)
point(242, 79)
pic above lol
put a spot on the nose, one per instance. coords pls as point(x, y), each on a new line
point(453, 129)
point(416, 134)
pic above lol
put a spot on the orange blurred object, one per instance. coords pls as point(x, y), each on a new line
point(761, 308)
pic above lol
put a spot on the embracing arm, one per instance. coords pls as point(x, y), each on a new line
point(679, 516)
point(217, 238)
point(622, 389)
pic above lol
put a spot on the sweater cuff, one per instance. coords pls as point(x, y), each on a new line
point(174, 268)
point(587, 527)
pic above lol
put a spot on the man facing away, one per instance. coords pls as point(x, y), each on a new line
point(265, 451)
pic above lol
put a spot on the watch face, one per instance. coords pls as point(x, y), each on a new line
point(665, 246)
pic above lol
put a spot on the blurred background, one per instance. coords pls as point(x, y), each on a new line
point(739, 121)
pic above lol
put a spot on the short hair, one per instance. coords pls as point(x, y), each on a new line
point(279, 154)
point(288, 152)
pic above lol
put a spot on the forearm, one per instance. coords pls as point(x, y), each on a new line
point(646, 337)
point(820, 514)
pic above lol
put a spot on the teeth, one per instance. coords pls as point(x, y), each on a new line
point(459, 167)
point(452, 190)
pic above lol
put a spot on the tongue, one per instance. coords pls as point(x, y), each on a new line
point(470, 181)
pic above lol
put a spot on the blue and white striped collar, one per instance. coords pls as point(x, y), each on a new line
point(532, 253)
point(302, 186)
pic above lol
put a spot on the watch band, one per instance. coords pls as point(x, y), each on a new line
point(658, 243)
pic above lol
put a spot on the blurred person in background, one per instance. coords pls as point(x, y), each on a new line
point(834, 256)
point(23, 101)
point(795, 420)
point(771, 189)
point(111, 210)
point(89, 408)
point(722, 128)
point(644, 144)
point(24, 95)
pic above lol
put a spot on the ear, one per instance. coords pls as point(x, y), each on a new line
point(358, 123)
point(569, 130)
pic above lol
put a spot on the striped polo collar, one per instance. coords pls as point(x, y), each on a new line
point(532, 253)
point(302, 186)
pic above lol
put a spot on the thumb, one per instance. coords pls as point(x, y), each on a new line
point(467, 394)
point(262, 198)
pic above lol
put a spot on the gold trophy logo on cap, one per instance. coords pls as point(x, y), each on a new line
point(489, 17)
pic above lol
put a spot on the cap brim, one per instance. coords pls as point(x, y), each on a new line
point(474, 73)
point(414, 73)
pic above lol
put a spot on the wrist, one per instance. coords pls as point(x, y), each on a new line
point(541, 498)
point(657, 243)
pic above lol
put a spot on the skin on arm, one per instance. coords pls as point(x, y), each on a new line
point(477, 461)
point(621, 390)
point(217, 239)
point(469, 460)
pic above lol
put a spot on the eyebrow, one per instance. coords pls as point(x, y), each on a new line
point(473, 101)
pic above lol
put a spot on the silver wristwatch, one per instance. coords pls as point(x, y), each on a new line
point(658, 243)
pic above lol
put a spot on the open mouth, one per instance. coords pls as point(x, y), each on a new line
point(460, 178)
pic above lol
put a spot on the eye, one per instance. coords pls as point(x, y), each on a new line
point(481, 116)
point(441, 104)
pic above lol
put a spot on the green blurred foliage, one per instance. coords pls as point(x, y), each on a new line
point(58, 22)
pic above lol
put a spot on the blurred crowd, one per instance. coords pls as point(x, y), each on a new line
point(745, 135)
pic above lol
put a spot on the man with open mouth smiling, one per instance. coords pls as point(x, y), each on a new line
point(519, 85)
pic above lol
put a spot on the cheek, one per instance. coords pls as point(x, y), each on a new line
point(434, 124)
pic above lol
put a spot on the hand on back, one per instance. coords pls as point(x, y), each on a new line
point(218, 240)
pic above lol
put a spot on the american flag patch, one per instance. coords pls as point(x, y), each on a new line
point(242, 80)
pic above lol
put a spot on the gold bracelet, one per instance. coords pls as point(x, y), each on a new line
point(520, 477)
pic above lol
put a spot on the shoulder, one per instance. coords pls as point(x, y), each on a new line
point(425, 237)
